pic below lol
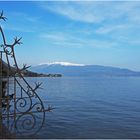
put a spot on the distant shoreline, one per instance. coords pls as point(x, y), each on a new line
point(42, 75)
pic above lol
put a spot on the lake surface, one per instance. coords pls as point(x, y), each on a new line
point(107, 107)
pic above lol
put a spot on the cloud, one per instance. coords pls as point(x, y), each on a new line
point(22, 22)
point(78, 11)
point(72, 40)
point(61, 39)
point(18, 29)
point(108, 24)
point(23, 17)
point(111, 28)
point(95, 12)
point(57, 36)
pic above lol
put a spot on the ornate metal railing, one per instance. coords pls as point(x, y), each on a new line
point(21, 110)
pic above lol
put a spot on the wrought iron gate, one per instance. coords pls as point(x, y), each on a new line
point(21, 110)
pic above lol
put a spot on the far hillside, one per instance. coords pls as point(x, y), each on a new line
point(69, 69)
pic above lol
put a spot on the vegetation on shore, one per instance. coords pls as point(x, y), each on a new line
point(26, 73)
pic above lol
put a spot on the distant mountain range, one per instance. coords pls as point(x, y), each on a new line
point(70, 69)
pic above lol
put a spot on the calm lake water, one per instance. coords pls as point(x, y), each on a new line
point(91, 107)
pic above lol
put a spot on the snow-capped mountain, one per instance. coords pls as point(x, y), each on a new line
point(62, 63)
point(71, 69)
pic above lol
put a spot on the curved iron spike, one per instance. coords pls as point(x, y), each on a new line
point(17, 41)
point(2, 17)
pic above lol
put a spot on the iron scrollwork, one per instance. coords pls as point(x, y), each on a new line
point(20, 102)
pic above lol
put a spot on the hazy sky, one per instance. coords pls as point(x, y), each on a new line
point(103, 33)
